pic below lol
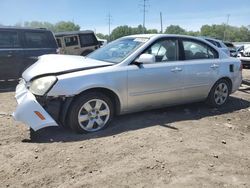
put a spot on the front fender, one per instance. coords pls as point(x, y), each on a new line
point(74, 84)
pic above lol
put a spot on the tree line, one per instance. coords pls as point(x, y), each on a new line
point(222, 32)
point(57, 27)
point(219, 31)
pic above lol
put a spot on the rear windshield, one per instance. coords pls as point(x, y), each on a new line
point(9, 39)
point(39, 40)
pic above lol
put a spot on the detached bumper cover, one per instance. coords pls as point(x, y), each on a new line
point(29, 111)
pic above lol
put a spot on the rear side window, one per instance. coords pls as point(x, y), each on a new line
point(9, 39)
point(39, 40)
point(71, 41)
point(218, 44)
point(198, 50)
point(88, 40)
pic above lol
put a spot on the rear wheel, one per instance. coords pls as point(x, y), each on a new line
point(90, 112)
point(219, 94)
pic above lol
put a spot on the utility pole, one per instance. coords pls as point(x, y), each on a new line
point(228, 16)
point(144, 14)
point(161, 22)
point(144, 6)
point(109, 23)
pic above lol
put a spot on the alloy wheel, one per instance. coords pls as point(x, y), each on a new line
point(221, 93)
point(93, 115)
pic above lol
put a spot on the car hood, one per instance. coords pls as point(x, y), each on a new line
point(60, 64)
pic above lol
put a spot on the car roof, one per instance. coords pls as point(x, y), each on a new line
point(61, 34)
point(162, 35)
point(22, 28)
point(209, 38)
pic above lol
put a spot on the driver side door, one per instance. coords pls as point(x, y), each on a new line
point(160, 83)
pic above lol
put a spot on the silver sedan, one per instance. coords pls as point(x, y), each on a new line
point(133, 73)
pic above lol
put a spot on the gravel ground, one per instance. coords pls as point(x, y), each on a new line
point(184, 146)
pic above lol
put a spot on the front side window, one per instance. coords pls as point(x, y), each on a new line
point(198, 50)
point(117, 51)
point(9, 39)
point(165, 50)
point(71, 41)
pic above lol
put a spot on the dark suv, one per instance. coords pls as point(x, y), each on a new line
point(19, 48)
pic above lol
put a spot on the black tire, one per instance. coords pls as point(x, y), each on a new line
point(33, 135)
point(212, 99)
point(77, 107)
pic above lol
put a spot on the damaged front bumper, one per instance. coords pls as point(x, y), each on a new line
point(29, 111)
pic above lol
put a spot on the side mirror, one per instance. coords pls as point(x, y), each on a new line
point(145, 59)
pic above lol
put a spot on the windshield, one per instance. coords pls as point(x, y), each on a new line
point(117, 51)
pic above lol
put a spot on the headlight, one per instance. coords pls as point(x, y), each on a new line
point(41, 85)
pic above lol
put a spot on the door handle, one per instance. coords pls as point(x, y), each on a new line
point(214, 66)
point(76, 48)
point(176, 69)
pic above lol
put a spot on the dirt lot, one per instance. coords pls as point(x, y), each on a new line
point(185, 146)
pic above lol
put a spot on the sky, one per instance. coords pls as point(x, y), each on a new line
point(93, 14)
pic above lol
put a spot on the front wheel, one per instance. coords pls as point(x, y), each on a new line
point(219, 94)
point(90, 112)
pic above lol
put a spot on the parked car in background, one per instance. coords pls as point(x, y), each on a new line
point(240, 48)
point(102, 42)
point(21, 47)
point(233, 49)
point(219, 44)
point(134, 73)
point(77, 42)
point(244, 56)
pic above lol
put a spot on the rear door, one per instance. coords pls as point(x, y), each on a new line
point(10, 54)
point(202, 69)
point(37, 43)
